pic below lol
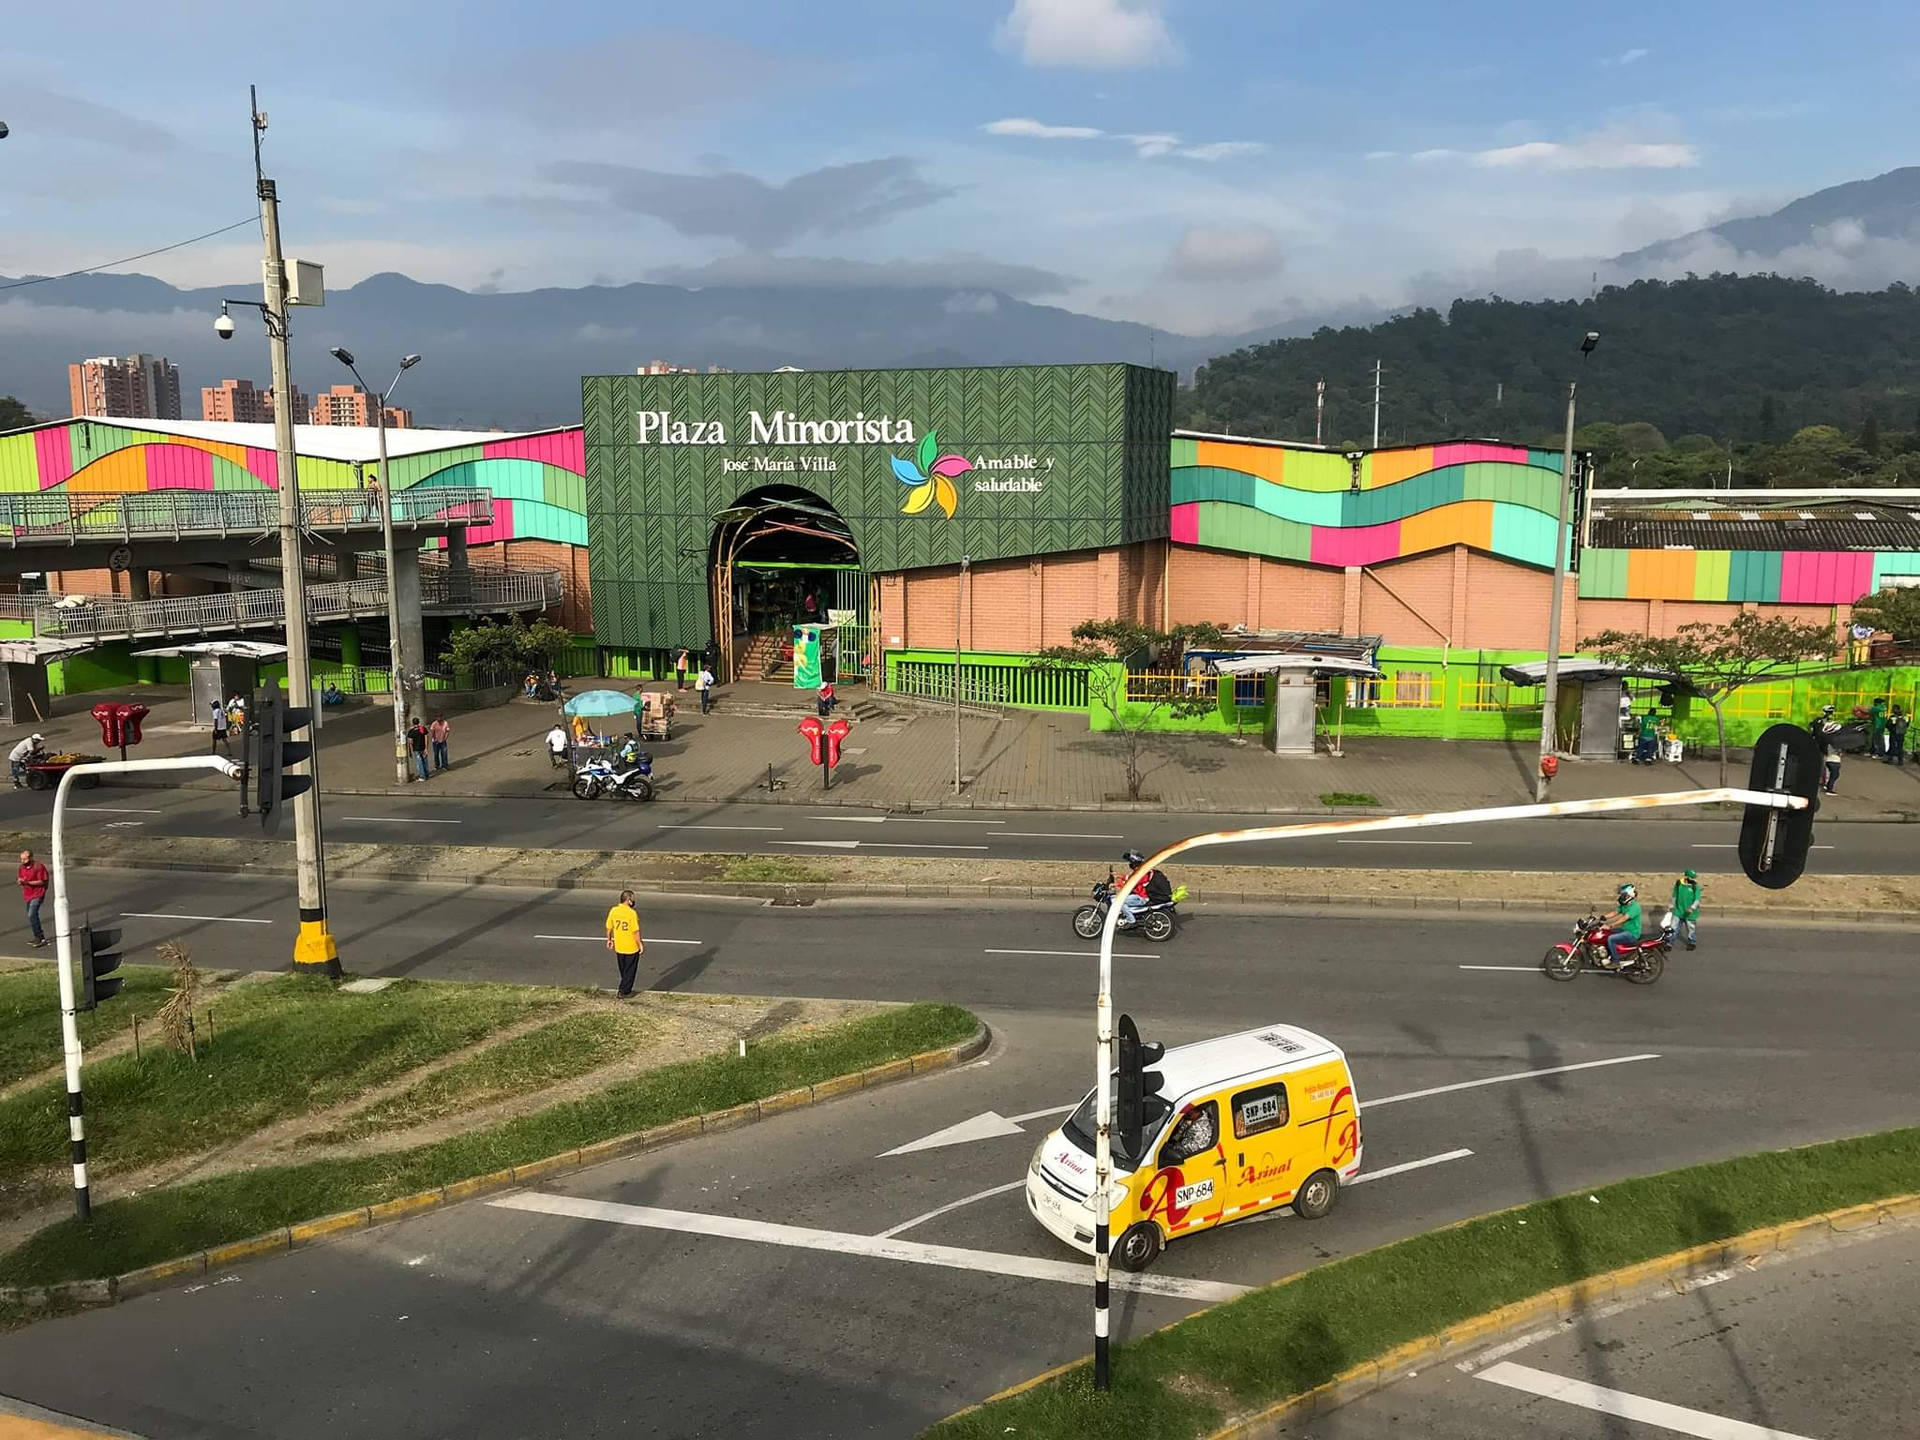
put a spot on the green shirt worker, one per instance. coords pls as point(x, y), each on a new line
point(623, 939)
point(1686, 906)
point(1624, 923)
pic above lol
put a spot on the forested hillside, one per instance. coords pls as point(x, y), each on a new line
point(1797, 384)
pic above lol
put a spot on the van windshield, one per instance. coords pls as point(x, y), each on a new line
point(1080, 1129)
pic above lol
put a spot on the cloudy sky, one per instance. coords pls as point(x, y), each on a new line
point(1197, 164)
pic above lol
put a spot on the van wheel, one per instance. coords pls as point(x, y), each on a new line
point(1315, 1198)
point(1139, 1246)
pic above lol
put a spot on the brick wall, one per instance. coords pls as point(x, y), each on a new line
point(1020, 606)
point(1410, 602)
point(576, 591)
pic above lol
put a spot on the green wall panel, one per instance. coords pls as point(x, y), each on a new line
point(1603, 574)
point(19, 470)
point(1096, 436)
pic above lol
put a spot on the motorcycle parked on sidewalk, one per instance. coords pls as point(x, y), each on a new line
point(603, 777)
point(1641, 963)
point(1156, 922)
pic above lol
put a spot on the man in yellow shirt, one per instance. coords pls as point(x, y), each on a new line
point(623, 938)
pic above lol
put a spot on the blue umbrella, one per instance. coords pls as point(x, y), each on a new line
point(599, 703)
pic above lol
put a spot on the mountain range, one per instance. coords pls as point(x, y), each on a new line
point(514, 359)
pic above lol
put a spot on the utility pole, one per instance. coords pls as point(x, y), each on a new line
point(314, 951)
point(1376, 404)
point(1319, 408)
point(959, 609)
point(1550, 691)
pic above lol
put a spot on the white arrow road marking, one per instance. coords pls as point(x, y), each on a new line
point(986, 1126)
point(1502, 1079)
point(162, 915)
point(764, 829)
point(935, 1214)
point(876, 1247)
point(1038, 1114)
point(117, 809)
point(399, 820)
point(824, 844)
point(1628, 1407)
point(123, 825)
point(1401, 1169)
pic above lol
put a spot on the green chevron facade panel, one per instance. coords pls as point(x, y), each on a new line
point(1034, 460)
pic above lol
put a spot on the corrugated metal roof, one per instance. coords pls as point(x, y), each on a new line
point(352, 443)
point(1827, 528)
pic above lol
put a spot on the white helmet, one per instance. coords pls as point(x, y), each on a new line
point(1628, 892)
point(39, 739)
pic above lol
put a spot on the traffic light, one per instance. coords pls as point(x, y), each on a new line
point(1774, 843)
point(1136, 1083)
point(99, 954)
point(278, 754)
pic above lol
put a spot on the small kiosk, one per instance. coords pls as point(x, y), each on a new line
point(1591, 710)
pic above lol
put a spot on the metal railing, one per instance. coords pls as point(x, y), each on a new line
point(1006, 685)
point(73, 517)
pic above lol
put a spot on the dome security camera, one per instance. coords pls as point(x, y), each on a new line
point(223, 327)
point(3, 130)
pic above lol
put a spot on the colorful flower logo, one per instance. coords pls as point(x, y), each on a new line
point(931, 475)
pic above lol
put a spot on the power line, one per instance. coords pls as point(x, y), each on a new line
point(109, 264)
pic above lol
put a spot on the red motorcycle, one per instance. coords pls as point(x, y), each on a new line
point(1641, 962)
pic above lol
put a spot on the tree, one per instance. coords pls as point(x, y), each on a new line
point(493, 653)
point(1769, 423)
point(14, 415)
point(1108, 650)
point(1716, 660)
point(1896, 611)
point(1870, 434)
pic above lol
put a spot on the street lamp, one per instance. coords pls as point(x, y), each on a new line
point(385, 493)
point(1550, 692)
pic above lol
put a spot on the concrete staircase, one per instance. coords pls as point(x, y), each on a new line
point(762, 658)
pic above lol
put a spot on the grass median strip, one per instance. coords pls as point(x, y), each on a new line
point(1192, 1377)
point(127, 1232)
point(30, 1015)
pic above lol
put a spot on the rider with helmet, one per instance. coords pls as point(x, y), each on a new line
point(1154, 889)
point(1623, 924)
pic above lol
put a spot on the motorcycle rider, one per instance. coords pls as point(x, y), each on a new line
point(1154, 889)
point(1623, 924)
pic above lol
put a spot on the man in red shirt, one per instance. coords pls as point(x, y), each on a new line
point(33, 889)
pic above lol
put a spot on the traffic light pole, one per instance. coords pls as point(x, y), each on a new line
point(314, 950)
point(63, 938)
point(1103, 1005)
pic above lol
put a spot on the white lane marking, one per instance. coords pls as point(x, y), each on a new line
point(1057, 835)
point(936, 1213)
point(601, 939)
point(1605, 1312)
point(1078, 954)
point(1403, 842)
point(874, 845)
point(162, 915)
point(1503, 1079)
point(117, 809)
point(1530, 969)
point(1603, 1401)
point(900, 820)
point(1038, 1114)
point(987, 1262)
point(987, 1125)
point(1366, 1175)
point(1716, 846)
point(123, 825)
point(398, 820)
point(764, 829)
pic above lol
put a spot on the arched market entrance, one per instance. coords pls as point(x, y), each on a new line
point(780, 555)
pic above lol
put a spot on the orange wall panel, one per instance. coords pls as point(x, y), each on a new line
point(124, 469)
point(1266, 461)
point(1386, 467)
point(1469, 522)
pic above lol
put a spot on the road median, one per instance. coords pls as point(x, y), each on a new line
point(1815, 897)
point(1331, 1334)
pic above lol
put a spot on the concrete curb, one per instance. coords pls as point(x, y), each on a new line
point(1563, 1303)
point(847, 890)
point(114, 1289)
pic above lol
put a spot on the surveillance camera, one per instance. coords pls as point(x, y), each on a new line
point(223, 327)
point(3, 130)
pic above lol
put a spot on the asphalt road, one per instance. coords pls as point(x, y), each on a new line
point(606, 1303)
point(1814, 1346)
point(1626, 846)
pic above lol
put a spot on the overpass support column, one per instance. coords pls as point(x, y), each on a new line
point(411, 663)
point(146, 669)
point(139, 585)
point(459, 574)
point(350, 647)
point(349, 565)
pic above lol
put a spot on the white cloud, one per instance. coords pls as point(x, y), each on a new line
point(1221, 149)
point(1212, 254)
point(1035, 130)
point(1625, 57)
point(1152, 147)
point(973, 273)
point(1606, 150)
point(1088, 34)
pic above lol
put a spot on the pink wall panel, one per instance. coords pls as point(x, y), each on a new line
point(53, 450)
point(1357, 545)
point(178, 467)
point(566, 449)
point(1469, 452)
point(1186, 524)
point(265, 465)
point(1810, 577)
point(500, 529)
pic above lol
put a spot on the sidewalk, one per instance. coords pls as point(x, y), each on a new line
point(902, 757)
